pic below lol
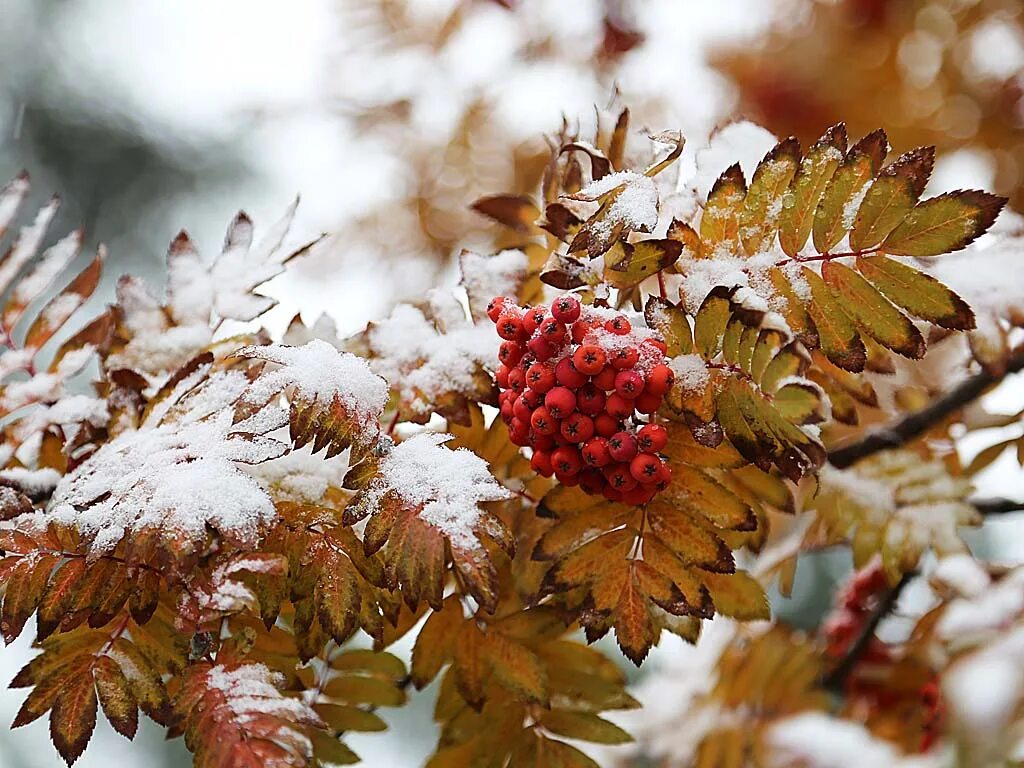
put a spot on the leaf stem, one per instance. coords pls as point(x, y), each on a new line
point(917, 423)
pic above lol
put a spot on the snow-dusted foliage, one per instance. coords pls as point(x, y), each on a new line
point(662, 393)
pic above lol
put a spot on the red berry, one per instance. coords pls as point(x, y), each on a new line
point(580, 329)
point(659, 380)
point(510, 352)
point(644, 468)
point(624, 357)
point(521, 410)
point(543, 422)
point(541, 442)
point(605, 424)
point(566, 460)
point(518, 432)
point(568, 481)
point(648, 402)
point(561, 401)
point(566, 308)
point(516, 379)
point(510, 325)
point(577, 428)
point(541, 463)
point(639, 495)
point(664, 477)
point(618, 406)
point(532, 397)
point(652, 438)
point(567, 375)
point(618, 325)
point(507, 411)
point(533, 318)
point(658, 344)
point(590, 400)
point(611, 494)
point(622, 446)
point(501, 377)
point(540, 377)
point(495, 307)
point(595, 452)
point(606, 379)
point(589, 359)
point(553, 330)
point(619, 477)
point(542, 348)
point(629, 384)
point(591, 481)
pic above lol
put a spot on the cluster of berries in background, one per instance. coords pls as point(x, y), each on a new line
point(578, 385)
point(855, 604)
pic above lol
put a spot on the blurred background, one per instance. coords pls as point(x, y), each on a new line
point(389, 117)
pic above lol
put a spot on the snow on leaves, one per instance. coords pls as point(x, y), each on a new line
point(422, 497)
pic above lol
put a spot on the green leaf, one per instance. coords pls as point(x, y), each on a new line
point(710, 322)
point(919, 294)
point(671, 324)
point(891, 197)
point(872, 312)
point(720, 222)
point(759, 220)
point(802, 201)
point(836, 332)
point(862, 162)
point(945, 223)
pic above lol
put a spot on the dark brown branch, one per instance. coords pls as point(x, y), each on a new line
point(916, 424)
point(835, 678)
point(997, 506)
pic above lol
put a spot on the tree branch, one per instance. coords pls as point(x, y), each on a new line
point(997, 506)
point(836, 677)
point(916, 424)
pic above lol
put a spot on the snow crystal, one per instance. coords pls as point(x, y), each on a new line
point(178, 477)
point(820, 740)
point(636, 204)
point(691, 372)
point(422, 363)
point(448, 485)
point(320, 373)
point(485, 277)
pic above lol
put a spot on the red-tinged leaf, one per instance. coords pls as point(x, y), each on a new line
point(145, 595)
point(720, 221)
point(62, 306)
point(144, 681)
point(944, 224)
point(832, 219)
point(73, 717)
point(919, 294)
point(471, 668)
point(891, 197)
point(514, 211)
point(516, 668)
point(338, 599)
point(116, 699)
point(837, 334)
point(872, 312)
point(762, 207)
point(634, 630)
point(800, 204)
point(24, 590)
point(58, 596)
point(12, 540)
point(693, 541)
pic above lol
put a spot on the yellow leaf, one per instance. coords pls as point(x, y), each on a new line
point(738, 595)
point(671, 324)
point(831, 219)
point(919, 294)
point(945, 223)
point(837, 334)
point(720, 222)
point(759, 220)
point(801, 201)
point(891, 197)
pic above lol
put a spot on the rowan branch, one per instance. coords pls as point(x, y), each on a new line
point(916, 424)
point(836, 677)
point(997, 506)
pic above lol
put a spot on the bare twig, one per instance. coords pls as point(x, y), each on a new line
point(916, 424)
point(836, 677)
point(997, 506)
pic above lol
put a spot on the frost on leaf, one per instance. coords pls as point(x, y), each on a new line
point(157, 337)
point(895, 503)
point(180, 474)
point(237, 715)
point(335, 399)
point(426, 498)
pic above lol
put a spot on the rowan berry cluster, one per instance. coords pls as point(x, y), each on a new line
point(578, 386)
